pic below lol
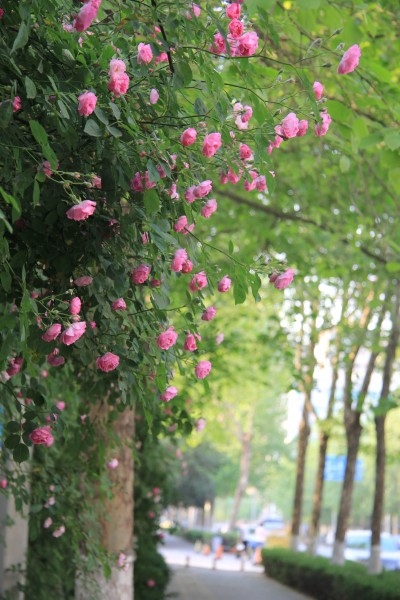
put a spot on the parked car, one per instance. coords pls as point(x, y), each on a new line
point(273, 526)
point(358, 548)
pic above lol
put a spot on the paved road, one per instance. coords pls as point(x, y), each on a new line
point(224, 583)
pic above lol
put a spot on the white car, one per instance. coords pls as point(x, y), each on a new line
point(358, 547)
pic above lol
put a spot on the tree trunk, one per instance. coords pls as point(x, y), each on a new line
point(116, 517)
point(304, 433)
point(375, 565)
point(318, 493)
point(243, 477)
point(353, 433)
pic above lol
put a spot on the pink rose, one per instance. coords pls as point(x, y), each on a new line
point(224, 284)
point(48, 523)
point(209, 208)
point(245, 152)
point(247, 44)
point(223, 178)
point(117, 67)
point(195, 9)
point(188, 137)
point(209, 313)
point(187, 266)
point(1, 13)
point(84, 280)
point(96, 182)
point(350, 60)
point(219, 338)
point(59, 532)
point(248, 113)
point(234, 177)
point(163, 57)
point(190, 194)
point(113, 463)
point(141, 273)
point(14, 366)
point(52, 332)
point(136, 183)
point(200, 424)
point(212, 143)
point(169, 393)
point(202, 369)
point(283, 280)
point(119, 84)
point(249, 186)
point(54, 360)
point(198, 282)
point(154, 96)
point(3, 484)
point(190, 342)
point(86, 15)
point(145, 238)
point(107, 362)
point(322, 128)
point(203, 188)
point(118, 304)
point(181, 223)
point(75, 306)
point(219, 45)
point(167, 339)
point(150, 583)
point(303, 126)
point(60, 405)
point(42, 435)
point(179, 260)
point(318, 89)
point(261, 183)
point(17, 104)
point(81, 211)
point(289, 126)
point(235, 28)
point(233, 11)
point(145, 54)
point(73, 333)
point(87, 103)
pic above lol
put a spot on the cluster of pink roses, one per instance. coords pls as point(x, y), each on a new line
point(240, 43)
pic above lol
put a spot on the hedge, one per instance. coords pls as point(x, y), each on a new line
point(192, 535)
point(316, 577)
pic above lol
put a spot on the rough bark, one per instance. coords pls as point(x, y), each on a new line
point(243, 476)
point(115, 514)
point(375, 565)
point(304, 433)
point(318, 492)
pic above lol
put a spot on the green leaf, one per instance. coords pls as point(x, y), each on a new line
point(22, 37)
point(183, 75)
point(115, 110)
point(199, 107)
point(101, 115)
point(20, 453)
point(392, 138)
point(115, 132)
point(12, 441)
point(11, 200)
point(154, 175)
point(6, 112)
point(36, 193)
point(13, 426)
point(393, 267)
point(92, 128)
point(5, 278)
point(30, 88)
point(39, 133)
point(63, 109)
point(344, 164)
point(151, 202)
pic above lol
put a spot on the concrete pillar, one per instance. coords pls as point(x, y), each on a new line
point(13, 547)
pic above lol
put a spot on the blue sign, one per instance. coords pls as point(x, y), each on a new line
point(335, 467)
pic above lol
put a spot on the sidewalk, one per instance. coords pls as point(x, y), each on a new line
point(200, 582)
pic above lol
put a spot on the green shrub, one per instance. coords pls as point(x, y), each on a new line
point(192, 535)
point(321, 580)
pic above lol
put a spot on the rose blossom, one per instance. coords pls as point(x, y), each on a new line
point(188, 137)
point(283, 280)
point(48, 522)
point(167, 339)
point(96, 182)
point(190, 342)
point(163, 57)
point(136, 183)
point(113, 463)
point(303, 126)
point(212, 143)
point(318, 89)
point(145, 54)
point(198, 282)
point(119, 84)
point(219, 339)
point(190, 194)
point(350, 60)
point(87, 103)
point(59, 532)
point(75, 306)
point(179, 259)
point(203, 188)
point(181, 223)
point(141, 274)
point(233, 11)
point(289, 126)
point(209, 313)
point(3, 484)
point(107, 362)
point(247, 44)
point(235, 28)
point(195, 9)
point(249, 186)
point(154, 96)
point(81, 211)
point(209, 208)
point(73, 333)
point(202, 369)
point(261, 183)
point(86, 15)
point(200, 424)
point(52, 332)
point(219, 45)
point(42, 435)
point(82, 281)
point(169, 393)
point(187, 266)
point(224, 284)
point(245, 152)
point(150, 583)
point(118, 304)
point(54, 360)
point(321, 129)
